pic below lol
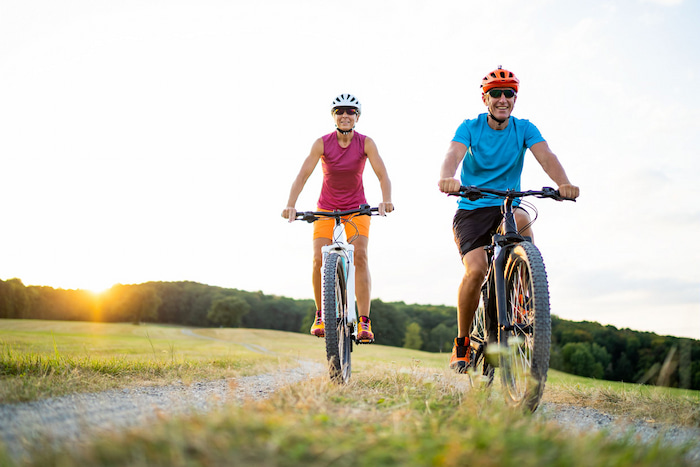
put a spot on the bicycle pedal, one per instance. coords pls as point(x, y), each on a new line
point(364, 341)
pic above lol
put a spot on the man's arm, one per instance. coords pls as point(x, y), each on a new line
point(552, 167)
point(454, 156)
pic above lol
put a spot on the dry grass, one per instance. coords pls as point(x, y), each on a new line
point(654, 404)
point(390, 414)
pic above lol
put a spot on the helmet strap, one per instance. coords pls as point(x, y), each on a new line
point(499, 121)
point(344, 132)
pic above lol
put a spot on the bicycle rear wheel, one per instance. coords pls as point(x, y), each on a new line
point(338, 332)
point(524, 357)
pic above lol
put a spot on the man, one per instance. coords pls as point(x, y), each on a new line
point(343, 154)
point(490, 150)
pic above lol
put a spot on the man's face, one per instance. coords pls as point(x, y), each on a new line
point(345, 117)
point(498, 103)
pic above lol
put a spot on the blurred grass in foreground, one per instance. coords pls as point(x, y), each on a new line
point(391, 415)
point(40, 359)
point(402, 407)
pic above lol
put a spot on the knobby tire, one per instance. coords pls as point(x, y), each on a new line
point(338, 333)
point(481, 333)
point(524, 355)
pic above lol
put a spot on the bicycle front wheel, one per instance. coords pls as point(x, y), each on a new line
point(338, 332)
point(524, 357)
point(481, 334)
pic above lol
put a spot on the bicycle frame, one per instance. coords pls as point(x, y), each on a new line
point(502, 244)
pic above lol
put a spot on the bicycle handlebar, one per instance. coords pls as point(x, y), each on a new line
point(473, 193)
point(313, 216)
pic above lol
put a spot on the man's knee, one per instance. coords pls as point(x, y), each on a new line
point(522, 219)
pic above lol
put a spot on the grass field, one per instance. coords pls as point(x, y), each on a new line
point(399, 409)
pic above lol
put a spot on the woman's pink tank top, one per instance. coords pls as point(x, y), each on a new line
point(342, 173)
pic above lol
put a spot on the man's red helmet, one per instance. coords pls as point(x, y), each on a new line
point(499, 78)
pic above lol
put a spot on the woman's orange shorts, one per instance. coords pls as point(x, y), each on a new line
point(354, 225)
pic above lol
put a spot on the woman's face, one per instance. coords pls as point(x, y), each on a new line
point(343, 118)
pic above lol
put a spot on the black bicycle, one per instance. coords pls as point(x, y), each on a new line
point(514, 316)
point(338, 290)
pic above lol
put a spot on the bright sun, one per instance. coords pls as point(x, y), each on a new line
point(97, 289)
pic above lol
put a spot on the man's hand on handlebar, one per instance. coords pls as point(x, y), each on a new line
point(567, 190)
point(449, 185)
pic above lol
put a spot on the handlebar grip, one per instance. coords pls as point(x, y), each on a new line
point(306, 216)
point(557, 196)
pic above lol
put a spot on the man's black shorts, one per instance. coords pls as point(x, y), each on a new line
point(474, 228)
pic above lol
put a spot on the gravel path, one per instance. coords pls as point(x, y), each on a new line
point(69, 418)
point(576, 420)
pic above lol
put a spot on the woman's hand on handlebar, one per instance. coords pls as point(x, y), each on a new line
point(289, 213)
point(385, 208)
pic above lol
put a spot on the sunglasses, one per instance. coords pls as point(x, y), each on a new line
point(496, 93)
point(346, 110)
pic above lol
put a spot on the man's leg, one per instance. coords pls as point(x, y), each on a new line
point(475, 268)
point(522, 219)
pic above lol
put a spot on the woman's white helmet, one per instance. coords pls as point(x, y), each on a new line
point(346, 100)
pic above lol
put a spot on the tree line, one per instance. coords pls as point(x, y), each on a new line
point(582, 348)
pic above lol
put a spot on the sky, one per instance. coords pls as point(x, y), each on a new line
point(157, 141)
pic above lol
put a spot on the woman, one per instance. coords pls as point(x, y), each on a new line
point(343, 154)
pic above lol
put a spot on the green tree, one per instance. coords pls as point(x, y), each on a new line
point(623, 368)
point(413, 340)
point(578, 359)
point(228, 311)
point(441, 338)
point(388, 324)
point(135, 303)
point(14, 300)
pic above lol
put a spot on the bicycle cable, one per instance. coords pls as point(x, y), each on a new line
point(527, 206)
point(357, 231)
point(524, 205)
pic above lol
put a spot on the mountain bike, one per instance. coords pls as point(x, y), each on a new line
point(338, 290)
point(514, 314)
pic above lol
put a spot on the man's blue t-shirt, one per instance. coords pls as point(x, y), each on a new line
point(494, 158)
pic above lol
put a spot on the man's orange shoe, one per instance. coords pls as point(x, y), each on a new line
point(318, 329)
point(364, 331)
point(459, 361)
